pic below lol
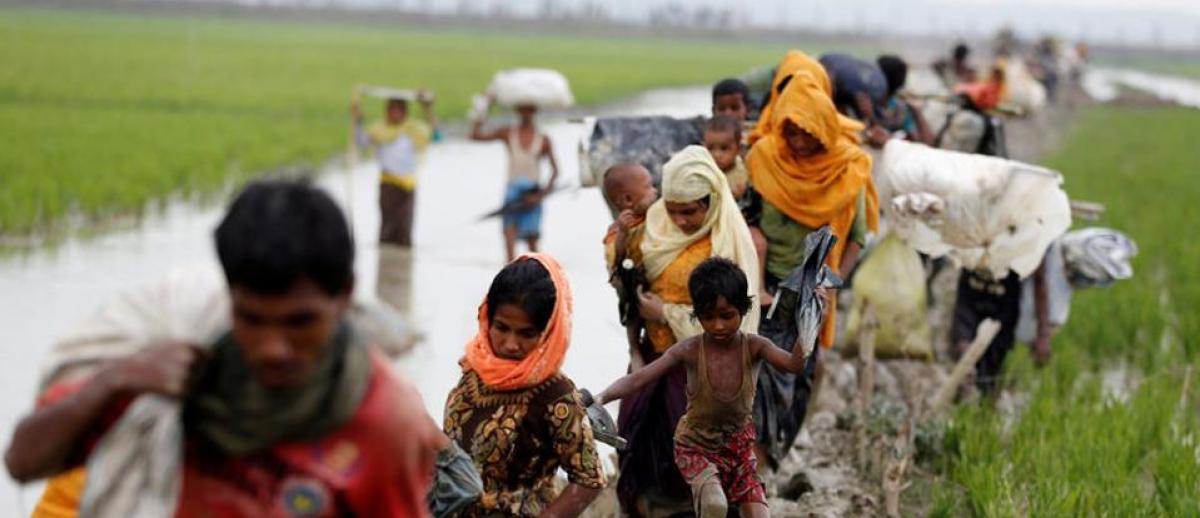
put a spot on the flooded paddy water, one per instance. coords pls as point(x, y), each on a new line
point(455, 256)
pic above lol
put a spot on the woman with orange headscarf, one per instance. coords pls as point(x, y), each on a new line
point(513, 410)
point(810, 174)
point(797, 61)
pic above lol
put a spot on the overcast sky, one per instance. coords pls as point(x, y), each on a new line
point(1171, 23)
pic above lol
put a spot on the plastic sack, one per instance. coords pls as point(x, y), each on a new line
point(544, 88)
point(1097, 257)
point(891, 279)
point(456, 482)
point(985, 213)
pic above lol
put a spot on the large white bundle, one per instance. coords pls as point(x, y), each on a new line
point(547, 89)
point(1021, 88)
point(985, 213)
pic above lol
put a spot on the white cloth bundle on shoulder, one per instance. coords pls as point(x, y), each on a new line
point(544, 88)
point(135, 468)
point(985, 213)
point(1021, 88)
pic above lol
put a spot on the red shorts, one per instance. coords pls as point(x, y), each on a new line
point(735, 464)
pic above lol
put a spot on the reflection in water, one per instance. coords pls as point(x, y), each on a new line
point(394, 282)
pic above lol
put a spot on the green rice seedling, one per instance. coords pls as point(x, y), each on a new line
point(1110, 425)
point(101, 113)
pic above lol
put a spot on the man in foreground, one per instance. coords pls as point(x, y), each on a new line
point(253, 400)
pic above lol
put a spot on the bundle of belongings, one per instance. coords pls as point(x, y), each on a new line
point(543, 88)
point(959, 125)
point(1021, 89)
point(649, 141)
point(985, 213)
point(890, 279)
point(1097, 257)
point(1086, 258)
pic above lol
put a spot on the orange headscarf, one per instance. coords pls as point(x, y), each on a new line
point(797, 61)
point(545, 360)
point(819, 190)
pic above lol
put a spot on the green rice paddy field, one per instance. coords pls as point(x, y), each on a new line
point(101, 113)
point(1083, 447)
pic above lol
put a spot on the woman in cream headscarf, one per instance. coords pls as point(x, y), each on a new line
point(696, 218)
point(697, 213)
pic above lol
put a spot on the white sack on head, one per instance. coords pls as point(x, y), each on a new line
point(985, 213)
point(544, 88)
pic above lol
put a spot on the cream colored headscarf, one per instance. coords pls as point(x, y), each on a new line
point(692, 175)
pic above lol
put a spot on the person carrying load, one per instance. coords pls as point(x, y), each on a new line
point(399, 142)
point(527, 91)
point(244, 394)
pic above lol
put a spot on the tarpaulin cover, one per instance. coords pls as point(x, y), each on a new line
point(649, 141)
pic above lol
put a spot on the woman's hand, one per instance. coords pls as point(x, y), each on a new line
point(650, 306)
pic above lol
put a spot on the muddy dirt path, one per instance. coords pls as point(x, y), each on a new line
point(825, 475)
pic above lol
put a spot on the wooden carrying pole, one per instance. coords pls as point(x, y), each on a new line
point(983, 337)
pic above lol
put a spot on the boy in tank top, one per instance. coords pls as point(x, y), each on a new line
point(714, 442)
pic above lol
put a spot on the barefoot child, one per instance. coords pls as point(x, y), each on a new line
point(714, 441)
point(526, 147)
point(722, 138)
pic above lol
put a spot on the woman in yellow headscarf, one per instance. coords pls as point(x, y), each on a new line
point(810, 174)
point(797, 61)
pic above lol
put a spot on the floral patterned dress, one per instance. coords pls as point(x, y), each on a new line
point(519, 439)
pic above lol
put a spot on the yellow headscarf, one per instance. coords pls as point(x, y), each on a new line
point(692, 175)
point(819, 190)
point(797, 61)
